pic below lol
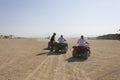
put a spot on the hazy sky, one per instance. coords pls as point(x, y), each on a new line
point(67, 17)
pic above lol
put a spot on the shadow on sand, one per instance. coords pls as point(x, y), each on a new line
point(46, 49)
point(48, 53)
point(53, 53)
point(71, 59)
point(45, 53)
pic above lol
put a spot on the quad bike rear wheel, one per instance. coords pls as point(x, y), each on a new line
point(56, 49)
point(86, 55)
point(65, 49)
point(75, 54)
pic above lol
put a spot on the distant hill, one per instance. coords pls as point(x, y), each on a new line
point(110, 37)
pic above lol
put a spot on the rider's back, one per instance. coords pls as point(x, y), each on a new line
point(81, 42)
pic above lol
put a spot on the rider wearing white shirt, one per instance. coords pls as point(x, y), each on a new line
point(61, 39)
point(81, 41)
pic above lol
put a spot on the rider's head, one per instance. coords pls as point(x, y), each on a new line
point(54, 33)
point(61, 35)
point(82, 37)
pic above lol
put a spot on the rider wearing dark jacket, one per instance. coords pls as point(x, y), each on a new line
point(53, 38)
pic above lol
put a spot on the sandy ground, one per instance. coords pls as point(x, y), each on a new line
point(28, 59)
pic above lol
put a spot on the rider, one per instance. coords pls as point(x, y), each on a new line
point(61, 39)
point(82, 41)
point(52, 40)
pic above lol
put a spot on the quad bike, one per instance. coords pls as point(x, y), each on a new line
point(61, 47)
point(81, 51)
point(51, 45)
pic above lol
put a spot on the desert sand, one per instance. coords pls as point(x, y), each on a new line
point(28, 59)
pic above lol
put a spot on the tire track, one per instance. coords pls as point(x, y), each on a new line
point(35, 70)
point(57, 74)
point(68, 70)
point(84, 74)
point(9, 62)
point(46, 67)
point(47, 70)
